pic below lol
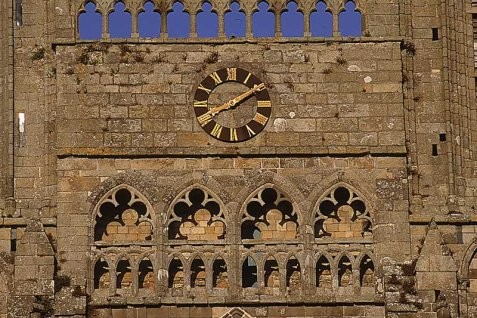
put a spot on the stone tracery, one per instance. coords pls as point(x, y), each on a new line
point(269, 215)
point(196, 216)
point(342, 214)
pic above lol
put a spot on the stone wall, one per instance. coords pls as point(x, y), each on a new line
point(357, 199)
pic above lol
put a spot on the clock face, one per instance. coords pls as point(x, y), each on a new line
point(232, 104)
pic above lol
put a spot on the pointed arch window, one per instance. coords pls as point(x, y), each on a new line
point(90, 22)
point(350, 20)
point(120, 21)
point(269, 215)
point(342, 214)
point(149, 21)
point(292, 21)
point(207, 21)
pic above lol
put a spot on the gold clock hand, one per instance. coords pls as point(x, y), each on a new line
point(231, 103)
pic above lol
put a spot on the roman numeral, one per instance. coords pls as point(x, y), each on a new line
point(200, 103)
point(216, 131)
point(205, 89)
point(247, 78)
point(250, 131)
point(259, 118)
point(204, 119)
point(216, 78)
point(264, 103)
point(233, 134)
point(231, 74)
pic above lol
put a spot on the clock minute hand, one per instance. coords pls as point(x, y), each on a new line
point(231, 103)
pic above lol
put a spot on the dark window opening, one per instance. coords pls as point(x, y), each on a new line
point(124, 276)
point(197, 269)
point(323, 273)
point(434, 150)
point(272, 274)
point(345, 273)
point(435, 34)
point(293, 276)
point(366, 272)
point(220, 277)
point(146, 274)
point(442, 137)
point(13, 241)
point(102, 279)
point(176, 274)
point(19, 12)
point(249, 273)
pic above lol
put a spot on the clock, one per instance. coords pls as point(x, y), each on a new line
point(232, 104)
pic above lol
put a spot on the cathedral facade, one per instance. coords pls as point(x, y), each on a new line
point(238, 158)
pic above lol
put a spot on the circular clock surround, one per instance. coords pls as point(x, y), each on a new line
point(236, 113)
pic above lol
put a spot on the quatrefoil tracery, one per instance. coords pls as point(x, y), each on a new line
point(196, 215)
point(342, 214)
point(269, 215)
point(123, 216)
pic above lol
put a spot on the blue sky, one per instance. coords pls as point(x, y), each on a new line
point(178, 22)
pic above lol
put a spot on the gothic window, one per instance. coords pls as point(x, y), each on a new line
point(271, 273)
point(207, 22)
point(120, 21)
point(197, 270)
point(123, 276)
point(234, 21)
point(292, 21)
point(123, 230)
point(102, 278)
point(366, 272)
point(220, 277)
point(90, 22)
point(146, 275)
point(321, 21)
point(350, 23)
point(263, 21)
point(269, 215)
point(176, 274)
point(249, 273)
point(196, 216)
point(323, 273)
point(178, 21)
point(149, 21)
point(123, 217)
point(345, 272)
point(293, 275)
point(342, 214)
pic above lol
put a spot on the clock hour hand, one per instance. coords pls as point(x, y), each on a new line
point(231, 103)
